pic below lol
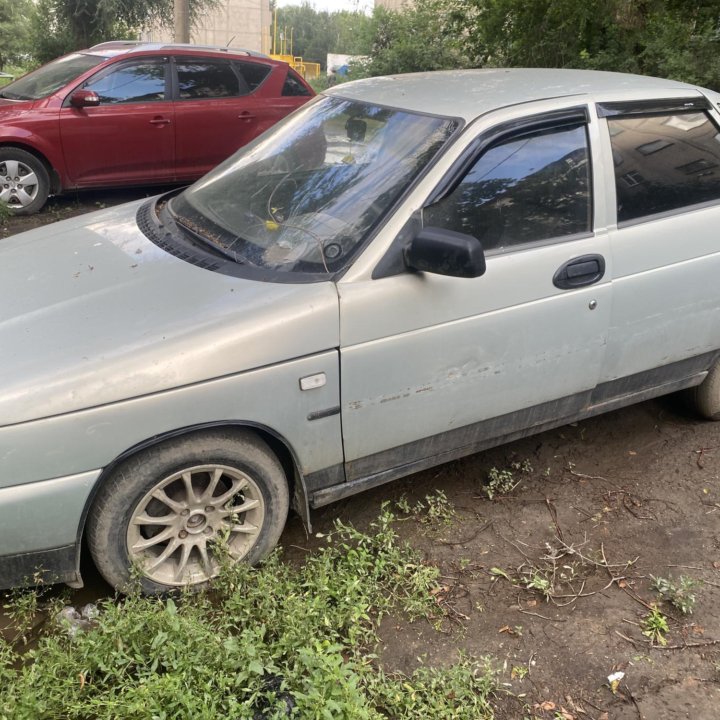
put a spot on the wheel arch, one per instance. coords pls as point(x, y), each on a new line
point(54, 175)
point(276, 442)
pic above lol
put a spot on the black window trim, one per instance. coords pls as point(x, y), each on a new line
point(646, 107)
point(518, 127)
point(107, 69)
point(392, 263)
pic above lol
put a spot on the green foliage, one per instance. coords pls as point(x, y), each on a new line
point(14, 31)
point(500, 482)
point(678, 39)
point(414, 40)
point(679, 593)
point(260, 641)
point(654, 626)
point(436, 510)
point(459, 692)
point(312, 34)
point(60, 26)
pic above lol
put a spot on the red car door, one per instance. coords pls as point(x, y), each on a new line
point(224, 104)
point(130, 136)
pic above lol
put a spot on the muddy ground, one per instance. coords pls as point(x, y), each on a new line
point(553, 579)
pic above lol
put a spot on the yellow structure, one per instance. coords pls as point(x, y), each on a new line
point(282, 49)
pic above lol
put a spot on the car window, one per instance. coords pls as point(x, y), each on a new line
point(522, 189)
point(51, 77)
point(664, 162)
point(303, 197)
point(293, 85)
point(252, 73)
point(135, 82)
point(208, 79)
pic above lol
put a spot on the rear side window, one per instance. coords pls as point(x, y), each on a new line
point(252, 74)
point(203, 79)
point(294, 85)
point(664, 162)
point(527, 188)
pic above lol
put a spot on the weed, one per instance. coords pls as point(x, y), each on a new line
point(523, 466)
point(403, 505)
point(5, 213)
point(459, 691)
point(654, 626)
point(435, 510)
point(259, 642)
point(538, 581)
point(439, 509)
point(679, 593)
point(22, 610)
point(500, 482)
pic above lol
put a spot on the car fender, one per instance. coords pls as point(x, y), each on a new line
point(46, 147)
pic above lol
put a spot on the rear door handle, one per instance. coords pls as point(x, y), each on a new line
point(579, 272)
point(160, 121)
point(246, 116)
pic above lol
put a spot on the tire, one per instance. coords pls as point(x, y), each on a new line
point(705, 398)
point(239, 493)
point(24, 181)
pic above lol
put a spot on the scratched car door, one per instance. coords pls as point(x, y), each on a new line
point(432, 363)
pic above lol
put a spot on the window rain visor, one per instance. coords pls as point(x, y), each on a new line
point(304, 196)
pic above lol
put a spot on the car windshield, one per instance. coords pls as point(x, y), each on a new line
point(303, 197)
point(51, 77)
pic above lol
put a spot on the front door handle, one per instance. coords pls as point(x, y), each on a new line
point(159, 121)
point(579, 272)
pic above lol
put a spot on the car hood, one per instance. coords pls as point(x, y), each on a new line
point(92, 312)
point(10, 108)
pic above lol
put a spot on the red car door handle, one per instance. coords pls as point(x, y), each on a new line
point(160, 121)
point(246, 116)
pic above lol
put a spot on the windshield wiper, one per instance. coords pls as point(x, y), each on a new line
point(208, 242)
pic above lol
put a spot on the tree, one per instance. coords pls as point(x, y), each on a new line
point(60, 26)
point(14, 31)
point(671, 38)
point(416, 39)
point(312, 34)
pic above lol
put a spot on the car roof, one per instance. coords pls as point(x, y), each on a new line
point(125, 47)
point(470, 93)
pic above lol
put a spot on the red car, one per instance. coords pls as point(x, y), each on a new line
point(126, 113)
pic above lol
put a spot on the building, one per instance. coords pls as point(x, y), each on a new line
point(233, 23)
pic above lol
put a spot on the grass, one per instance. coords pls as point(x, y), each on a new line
point(271, 642)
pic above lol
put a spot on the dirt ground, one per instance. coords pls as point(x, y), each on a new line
point(600, 508)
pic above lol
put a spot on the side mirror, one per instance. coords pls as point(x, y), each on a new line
point(84, 98)
point(445, 252)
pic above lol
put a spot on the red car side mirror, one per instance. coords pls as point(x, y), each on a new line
point(84, 98)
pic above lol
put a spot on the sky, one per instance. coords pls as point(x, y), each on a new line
point(333, 5)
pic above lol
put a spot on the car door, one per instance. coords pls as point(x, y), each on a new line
point(432, 364)
point(221, 105)
point(130, 136)
point(665, 323)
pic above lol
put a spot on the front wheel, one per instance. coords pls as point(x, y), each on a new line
point(705, 398)
point(24, 181)
point(174, 510)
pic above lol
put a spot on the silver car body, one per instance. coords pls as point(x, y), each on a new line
point(108, 343)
